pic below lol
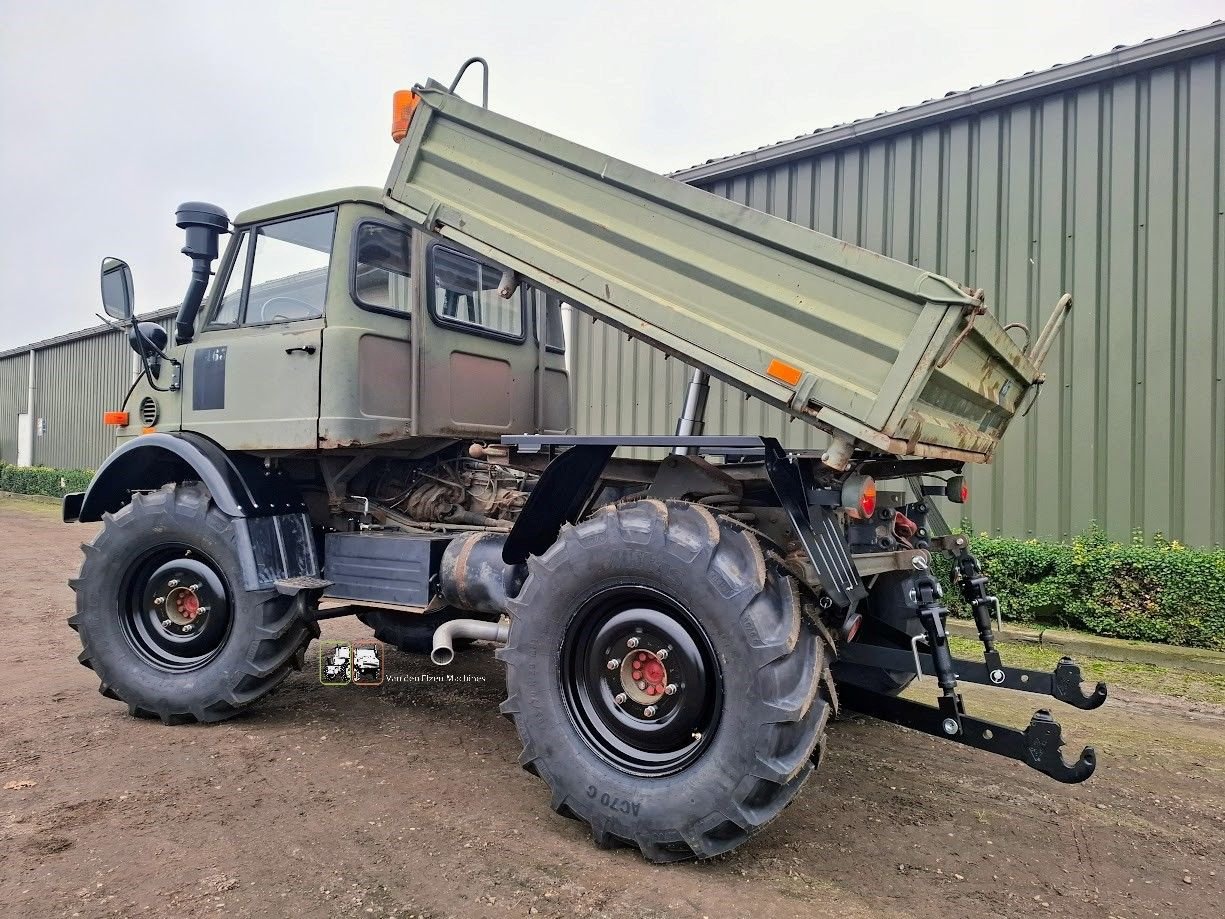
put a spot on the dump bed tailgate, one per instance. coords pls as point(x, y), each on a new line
point(846, 339)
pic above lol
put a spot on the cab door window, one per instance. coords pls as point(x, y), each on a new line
point(466, 295)
point(288, 274)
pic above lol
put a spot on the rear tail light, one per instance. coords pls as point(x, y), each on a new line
point(956, 490)
point(859, 496)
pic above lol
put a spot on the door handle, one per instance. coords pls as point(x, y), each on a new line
point(305, 349)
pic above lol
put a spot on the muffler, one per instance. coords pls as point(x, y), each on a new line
point(472, 575)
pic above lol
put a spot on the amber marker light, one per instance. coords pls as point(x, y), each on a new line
point(784, 372)
point(403, 104)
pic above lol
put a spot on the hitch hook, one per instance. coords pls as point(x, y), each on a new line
point(1043, 739)
point(1065, 686)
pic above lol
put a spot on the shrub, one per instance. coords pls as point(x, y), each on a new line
point(43, 480)
point(1149, 590)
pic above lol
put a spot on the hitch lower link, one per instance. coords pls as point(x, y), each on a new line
point(1038, 746)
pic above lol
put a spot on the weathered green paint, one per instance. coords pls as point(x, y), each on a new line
point(726, 287)
point(315, 201)
point(353, 377)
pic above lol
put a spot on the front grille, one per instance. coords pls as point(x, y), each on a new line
point(148, 411)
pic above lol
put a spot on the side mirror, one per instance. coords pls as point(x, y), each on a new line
point(117, 289)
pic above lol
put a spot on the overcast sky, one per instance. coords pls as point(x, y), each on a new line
point(112, 113)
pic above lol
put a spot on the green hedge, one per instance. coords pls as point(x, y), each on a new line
point(1149, 590)
point(43, 480)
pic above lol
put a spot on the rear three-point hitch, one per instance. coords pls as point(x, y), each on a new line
point(1038, 746)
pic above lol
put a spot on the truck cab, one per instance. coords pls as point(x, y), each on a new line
point(330, 286)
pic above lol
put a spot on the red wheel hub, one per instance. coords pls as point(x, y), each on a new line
point(189, 605)
point(644, 676)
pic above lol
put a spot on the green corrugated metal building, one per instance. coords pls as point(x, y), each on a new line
point(76, 378)
point(1104, 178)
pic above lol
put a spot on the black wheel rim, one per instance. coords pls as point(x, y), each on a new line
point(641, 681)
point(174, 608)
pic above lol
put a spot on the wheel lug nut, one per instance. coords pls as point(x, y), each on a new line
point(662, 654)
point(194, 587)
point(158, 601)
point(187, 627)
point(166, 623)
point(614, 664)
point(173, 582)
point(670, 689)
point(649, 711)
point(632, 643)
point(200, 611)
point(619, 698)
point(696, 735)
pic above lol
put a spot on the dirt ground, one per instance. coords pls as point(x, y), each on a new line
point(406, 800)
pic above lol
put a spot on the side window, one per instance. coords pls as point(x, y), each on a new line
point(230, 307)
point(382, 269)
point(466, 293)
point(290, 273)
point(554, 331)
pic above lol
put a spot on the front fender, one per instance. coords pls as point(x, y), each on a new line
point(239, 484)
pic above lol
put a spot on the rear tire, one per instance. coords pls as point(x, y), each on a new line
point(164, 620)
point(734, 741)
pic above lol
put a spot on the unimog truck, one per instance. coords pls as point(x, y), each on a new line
point(366, 410)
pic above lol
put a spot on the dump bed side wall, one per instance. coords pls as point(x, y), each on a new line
point(724, 286)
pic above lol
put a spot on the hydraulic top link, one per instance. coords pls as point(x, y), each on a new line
point(972, 583)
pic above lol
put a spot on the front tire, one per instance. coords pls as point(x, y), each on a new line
point(737, 710)
point(164, 620)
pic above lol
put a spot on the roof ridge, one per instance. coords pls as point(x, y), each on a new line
point(992, 94)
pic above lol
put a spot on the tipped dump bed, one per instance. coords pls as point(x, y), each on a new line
point(840, 337)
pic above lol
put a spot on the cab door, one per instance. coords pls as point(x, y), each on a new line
point(251, 376)
point(477, 367)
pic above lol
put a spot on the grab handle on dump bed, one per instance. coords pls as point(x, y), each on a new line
point(1049, 331)
point(484, 78)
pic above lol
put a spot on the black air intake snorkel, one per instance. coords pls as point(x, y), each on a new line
point(204, 223)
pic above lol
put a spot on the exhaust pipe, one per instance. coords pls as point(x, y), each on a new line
point(443, 651)
point(473, 577)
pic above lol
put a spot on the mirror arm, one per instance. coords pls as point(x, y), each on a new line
point(145, 347)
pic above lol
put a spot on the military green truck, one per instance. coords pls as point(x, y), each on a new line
point(367, 411)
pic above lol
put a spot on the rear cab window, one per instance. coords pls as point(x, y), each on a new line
point(382, 268)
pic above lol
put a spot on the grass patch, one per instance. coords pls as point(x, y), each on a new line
point(42, 507)
point(1148, 678)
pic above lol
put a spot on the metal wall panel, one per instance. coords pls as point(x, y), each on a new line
point(14, 386)
point(75, 382)
point(1112, 190)
point(77, 377)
